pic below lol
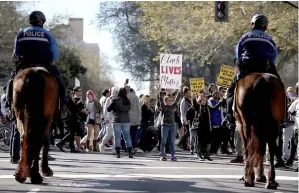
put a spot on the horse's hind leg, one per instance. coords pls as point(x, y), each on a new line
point(36, 178)
point(261, 177)
point(46, 170)
point(272, 184)
point(23, 170)
point(249, 172)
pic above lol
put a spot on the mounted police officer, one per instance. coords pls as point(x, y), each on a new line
point(35, 46)
point(256, 52)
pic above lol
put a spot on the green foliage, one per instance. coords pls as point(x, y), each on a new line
point(145, 29)
point(135, 51)
point(189, 28)
point(11, 21)
point(70, 66)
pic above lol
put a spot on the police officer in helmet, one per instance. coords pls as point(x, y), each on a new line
point(35, 46)
point(256, 52)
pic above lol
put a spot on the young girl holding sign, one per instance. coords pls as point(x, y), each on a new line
point(168, 129)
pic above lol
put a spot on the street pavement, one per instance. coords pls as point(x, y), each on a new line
point(92, 172)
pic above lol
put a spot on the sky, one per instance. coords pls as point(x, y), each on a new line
point(86, 9)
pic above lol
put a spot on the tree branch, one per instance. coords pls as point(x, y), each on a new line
point(291, 4)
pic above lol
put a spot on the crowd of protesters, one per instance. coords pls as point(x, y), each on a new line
point(120, 118)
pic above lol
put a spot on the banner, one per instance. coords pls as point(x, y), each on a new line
point(171, 71)
point(226, 76)
point(77, 82)
point(197, 85)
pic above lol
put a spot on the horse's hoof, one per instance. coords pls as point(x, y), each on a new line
point(272, 186)
point(262, 179)
point(247, 184)
point(36, 179)
point(47, 172)
point(35, 176)
point(20, 178)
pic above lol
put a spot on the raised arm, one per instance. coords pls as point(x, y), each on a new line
point(177, 98)
point(162, 105)
point(216, 106)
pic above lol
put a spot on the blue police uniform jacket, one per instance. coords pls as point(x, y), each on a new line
point(36, 45)
point(256, 46)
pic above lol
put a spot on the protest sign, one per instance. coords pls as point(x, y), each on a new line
point(77, 82)
point(197, 85)
point(226, 76)
point(171, 71)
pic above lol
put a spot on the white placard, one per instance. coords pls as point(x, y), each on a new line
point(171, 71)
point(77, 82)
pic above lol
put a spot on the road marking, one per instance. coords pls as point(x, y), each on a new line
point(177, 176)
point(150, 167)
point(86, 161)
point(33, 190)
point(145, 167)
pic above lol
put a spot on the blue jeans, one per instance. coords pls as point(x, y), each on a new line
point(167, 132)
point(134, 135)
point(15, 142)
point(123, 128)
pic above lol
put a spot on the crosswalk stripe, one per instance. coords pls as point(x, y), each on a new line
point(119, 160)
point(177, 176)
point(34, 190)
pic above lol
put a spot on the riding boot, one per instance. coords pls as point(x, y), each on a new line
point(9, 93)
point(230, 114)
point(117, 149)
point(230, 101)
point(130, 152)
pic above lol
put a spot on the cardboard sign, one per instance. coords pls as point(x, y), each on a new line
point(171, 71)
point(197, 85)
point(226, 76)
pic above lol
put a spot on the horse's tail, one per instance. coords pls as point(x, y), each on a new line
point(262, 118)
point(32, 98)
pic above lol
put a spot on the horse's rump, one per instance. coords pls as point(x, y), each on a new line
point(259, 104)
point(35, 93)
point(259, 110)
point(35, 96)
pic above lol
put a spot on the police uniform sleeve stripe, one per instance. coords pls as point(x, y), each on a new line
point(261, 40)
point(33, 38)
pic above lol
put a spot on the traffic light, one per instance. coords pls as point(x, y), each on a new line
point(221, 11)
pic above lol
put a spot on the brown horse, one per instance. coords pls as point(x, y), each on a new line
point(259, 108)
point(35, 96)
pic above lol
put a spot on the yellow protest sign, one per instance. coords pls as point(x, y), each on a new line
point(197, 85)
point(226, 75)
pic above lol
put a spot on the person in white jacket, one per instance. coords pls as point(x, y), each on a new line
point(108, 118)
